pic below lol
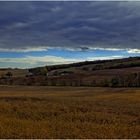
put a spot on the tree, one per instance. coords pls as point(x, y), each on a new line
point(114, 82)
point(43, 71)
point(9, 74)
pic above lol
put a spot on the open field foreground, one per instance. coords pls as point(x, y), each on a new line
point(69, 112)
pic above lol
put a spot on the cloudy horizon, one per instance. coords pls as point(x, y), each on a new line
point(43, 33)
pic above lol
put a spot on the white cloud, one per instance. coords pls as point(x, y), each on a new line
point(43, 59)
point(106, 49)
point(104, 58)
point(134, 51)
point(82, 47)
point(34, 61)
point(45, 48)
point(26, 49)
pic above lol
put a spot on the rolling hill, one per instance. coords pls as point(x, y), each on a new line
point(119, 72)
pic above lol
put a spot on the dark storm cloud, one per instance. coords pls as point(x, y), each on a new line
point(69, 25)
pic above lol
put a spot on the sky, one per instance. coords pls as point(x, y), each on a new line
point(43, 33)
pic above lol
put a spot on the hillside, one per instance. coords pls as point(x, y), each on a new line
point(119, 72)
point(97, 65)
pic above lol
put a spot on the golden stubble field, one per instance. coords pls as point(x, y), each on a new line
point(69, 112)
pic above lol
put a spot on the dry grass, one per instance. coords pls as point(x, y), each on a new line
point(15, 72)
point(68, 112)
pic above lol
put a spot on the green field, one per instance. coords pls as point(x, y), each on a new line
point(69, 112)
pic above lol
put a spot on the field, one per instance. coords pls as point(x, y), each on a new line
point(15, 72)
point(69, 112)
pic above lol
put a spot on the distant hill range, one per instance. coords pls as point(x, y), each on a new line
point(109, 73)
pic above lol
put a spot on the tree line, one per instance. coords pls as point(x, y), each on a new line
point(127, 80)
